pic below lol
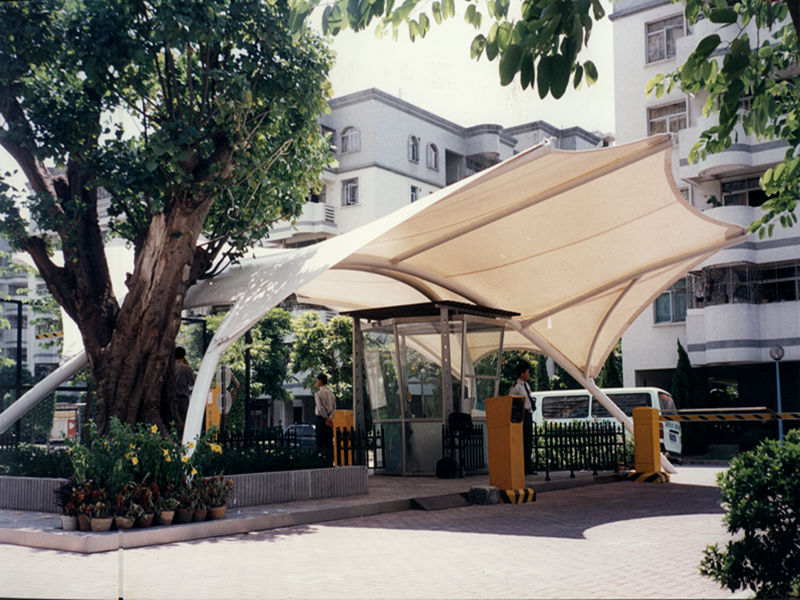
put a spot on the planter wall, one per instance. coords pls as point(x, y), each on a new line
point(252, 489)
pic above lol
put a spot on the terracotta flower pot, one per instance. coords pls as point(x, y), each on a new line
point(83, 523)
point(165, 517)
point(183, 515)
point(200, 514)
point(69, 522)
point(145, 520)
point(123, 522)
point(217, 512)
point(100, 523)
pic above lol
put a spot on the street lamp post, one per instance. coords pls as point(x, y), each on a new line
point(776, 353)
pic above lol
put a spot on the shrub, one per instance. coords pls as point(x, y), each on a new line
point(27, 460)
point(761, 492)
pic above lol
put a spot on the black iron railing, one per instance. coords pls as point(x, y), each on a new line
point(579, 446)
point(273, 437)
point(464, 445)
point(360, 447)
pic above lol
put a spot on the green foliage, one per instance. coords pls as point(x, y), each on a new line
point(321, 348)
point(685, 383)
point(541, 44)
point(260, 460)
point(28, 460)
point(747, 78)
point(610, 375)
point(762, 497)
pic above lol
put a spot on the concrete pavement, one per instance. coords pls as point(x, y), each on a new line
point(623, 540)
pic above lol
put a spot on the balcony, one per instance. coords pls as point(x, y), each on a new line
point(317, 221)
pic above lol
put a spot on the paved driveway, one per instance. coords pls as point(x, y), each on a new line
point(620, 540)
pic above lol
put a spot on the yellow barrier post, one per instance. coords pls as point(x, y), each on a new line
point(342, 419)
point(212, 408)
point(504, 416)
point(647, 448)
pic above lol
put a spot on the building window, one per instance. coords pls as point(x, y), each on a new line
point(670, 307)
point(661, 37)
point(413, 148)
point(416, 192)
point(745, 283)
point(743, 192)
point(433, 157)
point(668, 118)
point(351, 140)
point(350, 192)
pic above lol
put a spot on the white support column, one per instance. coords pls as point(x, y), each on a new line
point(41, 390)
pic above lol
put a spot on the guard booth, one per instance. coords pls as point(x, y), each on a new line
point(424, 362)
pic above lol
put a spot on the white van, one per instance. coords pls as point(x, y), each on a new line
point(573, 405)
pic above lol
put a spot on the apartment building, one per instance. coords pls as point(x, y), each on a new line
point(732, 309)
point(390, 153)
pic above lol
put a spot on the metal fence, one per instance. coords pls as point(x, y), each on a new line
point(580, 446)
point(465, 446)
point(273, 437)
point(360, 447)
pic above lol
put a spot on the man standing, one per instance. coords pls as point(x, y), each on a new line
point(324, 407)
point(521, 388)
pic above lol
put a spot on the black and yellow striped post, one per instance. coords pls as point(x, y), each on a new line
point(518, 496)
point(55, 334)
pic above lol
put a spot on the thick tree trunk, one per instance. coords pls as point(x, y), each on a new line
point(134, 369)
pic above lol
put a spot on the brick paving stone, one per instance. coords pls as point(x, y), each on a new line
point(622, 540)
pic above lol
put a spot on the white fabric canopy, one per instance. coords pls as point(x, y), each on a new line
point(577, 243)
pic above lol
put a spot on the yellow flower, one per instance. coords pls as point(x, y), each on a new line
point(168, 459)
point(133, 447)
point(154, 429)
point(135, 460)
point(215, 447)
point(194, 471)
point(190, 445)
point(184, 458)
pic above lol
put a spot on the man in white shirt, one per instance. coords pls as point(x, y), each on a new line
point(521, 388)
point(324, 407)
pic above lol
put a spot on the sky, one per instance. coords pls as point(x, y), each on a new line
point(437, 74)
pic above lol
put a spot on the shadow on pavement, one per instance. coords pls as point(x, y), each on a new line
point(564, 513)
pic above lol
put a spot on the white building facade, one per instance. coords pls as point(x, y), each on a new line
point(732, 309)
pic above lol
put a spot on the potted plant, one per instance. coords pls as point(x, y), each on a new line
point(145, 495)
point(165, 509)
point(100, 516)
point(126, 509)
point(200, 502)
point(67, 498)
point(219, 491)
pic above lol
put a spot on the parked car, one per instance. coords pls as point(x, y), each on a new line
point(306, 436)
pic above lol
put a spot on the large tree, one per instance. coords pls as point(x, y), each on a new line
point(197, 117)
point(541, 40)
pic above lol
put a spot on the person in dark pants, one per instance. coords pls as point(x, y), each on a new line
point(324, 407)
point(521, 388)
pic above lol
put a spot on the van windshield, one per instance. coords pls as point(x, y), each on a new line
point(565, 407)
point(626, 402)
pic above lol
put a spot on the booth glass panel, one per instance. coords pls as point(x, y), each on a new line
point(419, 346)
point(423, 447)
point(381, 369)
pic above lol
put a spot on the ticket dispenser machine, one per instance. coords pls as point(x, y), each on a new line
point(504, 416)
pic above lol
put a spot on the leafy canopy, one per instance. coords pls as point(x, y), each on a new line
point(541, 43)
point(162, 102)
